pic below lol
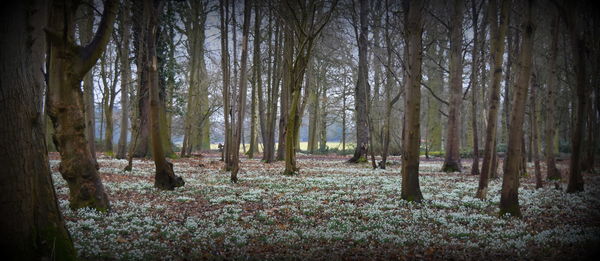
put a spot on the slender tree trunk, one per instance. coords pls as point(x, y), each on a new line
point(164, 178)
point(550, 133)
point(411, 137)
point(534, 126)
point(509, 196)
point(452, 160)
point(273, 97)
point(224, 19)
point(578, 48)
point(125, 80)
point(32, 225)
point(86, 31)
point(362, 89)
point(288, 52)
point(474, 87)
point(65, 101)
point(498, 31)
point(143, 95)
point(257, 114)
point(241, 103)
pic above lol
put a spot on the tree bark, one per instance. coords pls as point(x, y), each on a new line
point(362, 89)
point(452, 148)
point(257, 114)
point(550, 133)
point(32, 224)
point(534, 135)
point(578, 48)
point(241, 103)
point(164, 178)
point(498, 31)
point(86, 31)
point(509, 196)
point(474, 87)
point(411, 138)
point(125, 81)
point(65, 101)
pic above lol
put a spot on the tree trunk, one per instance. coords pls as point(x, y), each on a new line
point(362, 89)
point(534, 136)
point(269, 153)
point(509, 196)
point(550, 133)
point(578, 48)
point(65, 101)
point(288, 52)
point(498, 31)
point(257, 107)
point(411, 138)
point(474, 87)
point(452, 148)
point(164, 178)
point(125, 80)
point(241, 103)
point(224, 21)
point(143, 95)
point(86, 31)
point(32, 224)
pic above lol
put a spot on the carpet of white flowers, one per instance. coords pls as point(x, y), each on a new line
point(330, 210)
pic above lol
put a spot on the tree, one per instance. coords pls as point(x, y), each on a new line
point(362, 87)
point(67, 65)
point(534, 129)
point(86, 31)
point(241, 103)
point(509, 196)
point(143, 94)
point(227, 110)
point(474, 85)
point(550, 132)
point(274, 71)
point(411, 138)
point(125, 17)
point(578, 48)
point(197, 123)
point(108, 96)
point(452, 159)
point(164, 177)
point(32, 224)
point(301, 34)
point(258, 106)
point(498, 31)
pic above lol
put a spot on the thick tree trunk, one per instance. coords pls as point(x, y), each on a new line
point(241, 103)
point(498, 31)
point(31, 225)
point(362, 89)
point(509, 196)
point(65, 101)
point(452, 148)
point(411, 138)
point(125, 81)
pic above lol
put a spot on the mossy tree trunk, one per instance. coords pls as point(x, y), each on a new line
point(68, 64)
point(164, 177)
point(31, 225)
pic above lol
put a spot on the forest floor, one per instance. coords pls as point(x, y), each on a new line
point(331, 210)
